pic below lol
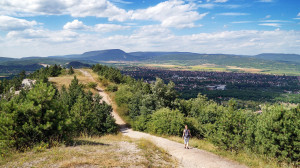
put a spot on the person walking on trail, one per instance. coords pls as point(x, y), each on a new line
point(186, 136)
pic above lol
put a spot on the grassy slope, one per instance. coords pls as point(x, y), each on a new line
point(106, 151)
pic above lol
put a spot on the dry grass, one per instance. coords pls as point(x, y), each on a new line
point(106, 151)
point(65, 79)
point(244, 157)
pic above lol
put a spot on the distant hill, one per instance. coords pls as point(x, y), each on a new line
point(151, 55)
point(5, 59)
point(268, 62)
point(104, 55)
point(279, 57)
point(77, 64)
point(17, 68)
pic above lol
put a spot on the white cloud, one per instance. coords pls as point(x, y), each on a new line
point(98, 8)
point(8, 23)
point(42, 35)
point(109, 27)
point(271, 21)
point(207, 6)
point(79, 25)
point(75, 25)
point(298, 14)
point(75, 8)
point(150, 38)
point(233, 14)
point(270, 24)
point(220, 1)
point(172, 13)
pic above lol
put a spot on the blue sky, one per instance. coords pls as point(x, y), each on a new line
point(58, 27)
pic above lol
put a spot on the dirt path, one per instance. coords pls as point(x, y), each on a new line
point(189, 158)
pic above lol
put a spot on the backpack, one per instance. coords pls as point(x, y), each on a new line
point(186, 133)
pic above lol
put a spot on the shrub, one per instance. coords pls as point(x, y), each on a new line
point(166, 122)
point(230, 133)
point(92, 85)
point(278, 133)
point(112, 88)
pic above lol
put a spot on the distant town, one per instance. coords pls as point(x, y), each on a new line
point(220, 84)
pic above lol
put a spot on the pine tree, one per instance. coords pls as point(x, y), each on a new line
point(71, 71)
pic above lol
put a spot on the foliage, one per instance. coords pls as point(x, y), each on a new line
point(43, 114)
point(15, 83)
point(44, 73)
point(71, 71)
point(166, 122)
point(92, 85)
point(155, 108)
point(112, 88)
point(230, 133)
point(278, 133)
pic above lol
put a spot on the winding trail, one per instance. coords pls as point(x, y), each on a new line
point(191, 158)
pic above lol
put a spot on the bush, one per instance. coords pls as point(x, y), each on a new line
point(230, 134)
point(166, 122)
point(112, 88)
point(43, 115)
point(38, 117)
point(6, 133)
point(278, 133)
point(92, 85)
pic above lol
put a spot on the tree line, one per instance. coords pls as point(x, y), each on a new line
point(156, 108)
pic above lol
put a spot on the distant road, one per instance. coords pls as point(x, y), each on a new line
point(188, 158)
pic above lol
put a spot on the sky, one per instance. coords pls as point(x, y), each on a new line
point(60, 27)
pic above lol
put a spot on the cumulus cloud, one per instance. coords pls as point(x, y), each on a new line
point(8, 23)
point(170, 13)
point(150, 38)
point(79, 25)
point(42, 35)
point(76, 8)
point(75, 25)
point(298, 14)
point(109, 27)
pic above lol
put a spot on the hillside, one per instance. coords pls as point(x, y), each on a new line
point(279, 57)
point(262, 63)
point(105, 151)
point(77, 64)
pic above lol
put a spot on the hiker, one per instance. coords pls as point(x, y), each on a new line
point(186, 136)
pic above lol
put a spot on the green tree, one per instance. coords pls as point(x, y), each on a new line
point(71, 71)
point(278, 133)
point(166, 122)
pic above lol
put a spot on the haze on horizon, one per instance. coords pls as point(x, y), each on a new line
point(59, 27)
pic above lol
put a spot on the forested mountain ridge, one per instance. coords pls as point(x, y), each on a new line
point(268, 63)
